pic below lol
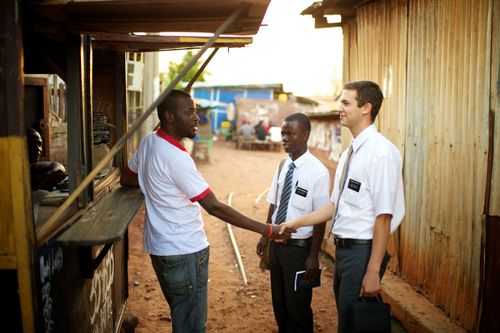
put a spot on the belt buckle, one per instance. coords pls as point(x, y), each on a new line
point(342, 242)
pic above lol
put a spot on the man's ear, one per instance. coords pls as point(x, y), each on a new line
point(367, 108)
point(169, 117)
point(305, 135)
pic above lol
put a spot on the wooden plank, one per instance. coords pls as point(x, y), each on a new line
point(107, 221)
point(138, 43)
point(15, 201)
point(493, 208)
point(8, 262)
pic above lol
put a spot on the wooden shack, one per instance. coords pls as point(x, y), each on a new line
point(69, 274)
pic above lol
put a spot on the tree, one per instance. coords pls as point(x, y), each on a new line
point(174, 69)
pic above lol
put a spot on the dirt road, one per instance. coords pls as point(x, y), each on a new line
point(232, 306)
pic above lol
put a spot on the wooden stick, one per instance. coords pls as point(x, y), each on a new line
point(235, 245)
point(260, 197)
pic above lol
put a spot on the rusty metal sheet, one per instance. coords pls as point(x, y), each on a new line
point(433, 60)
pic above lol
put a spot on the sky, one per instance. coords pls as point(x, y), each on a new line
point(287, 49)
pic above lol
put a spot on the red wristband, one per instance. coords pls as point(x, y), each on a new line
point(270, 231)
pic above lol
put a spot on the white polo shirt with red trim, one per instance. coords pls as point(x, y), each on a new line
point(172, 187)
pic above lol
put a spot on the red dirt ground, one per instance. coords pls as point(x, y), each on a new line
point(232, 306)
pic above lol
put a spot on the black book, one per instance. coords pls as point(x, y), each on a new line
point(300, 284)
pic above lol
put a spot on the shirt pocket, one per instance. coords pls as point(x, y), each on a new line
point(299, 201)
point(355, 198)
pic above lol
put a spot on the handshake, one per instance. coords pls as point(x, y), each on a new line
point(282, 231)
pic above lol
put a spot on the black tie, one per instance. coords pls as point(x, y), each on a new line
point(285, 195)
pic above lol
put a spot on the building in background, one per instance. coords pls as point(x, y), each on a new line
point(325, 138)
point(223, 98)
point(142, 89)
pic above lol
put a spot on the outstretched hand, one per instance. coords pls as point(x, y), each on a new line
point(288, 227)
point(278, 234)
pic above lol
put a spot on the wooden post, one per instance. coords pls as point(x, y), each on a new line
point(17, 236)
point(79, 111)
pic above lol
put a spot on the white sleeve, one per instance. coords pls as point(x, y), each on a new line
point(188, 179)
point(383, 180)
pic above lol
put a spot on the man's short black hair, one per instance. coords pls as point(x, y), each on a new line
point(367, 92)
point(302, 119)
point(170, 103)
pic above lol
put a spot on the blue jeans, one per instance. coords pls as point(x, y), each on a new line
point(183, 280)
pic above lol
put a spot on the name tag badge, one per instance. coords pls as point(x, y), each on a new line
point(354, 185)
point(300, 191)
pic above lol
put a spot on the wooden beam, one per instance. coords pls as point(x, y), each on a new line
point(15, 199)
point(79, 105)
point(8, 262)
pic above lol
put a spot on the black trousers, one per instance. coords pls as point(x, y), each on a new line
point(292, 310)
point(350, 268)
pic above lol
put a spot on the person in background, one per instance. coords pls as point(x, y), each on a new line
point(44, 175)
point(260, 131)
point(299, 187)
point(246, 130)
point(174, 190)
point(367, 203)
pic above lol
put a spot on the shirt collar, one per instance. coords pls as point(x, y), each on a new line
point(301, 160)
point(170, 139)
point(365, 134)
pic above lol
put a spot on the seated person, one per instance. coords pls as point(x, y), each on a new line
point(246, 130)
point(260, 131)
point(44, 175)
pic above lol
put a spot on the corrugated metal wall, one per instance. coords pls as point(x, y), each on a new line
point(433, 61)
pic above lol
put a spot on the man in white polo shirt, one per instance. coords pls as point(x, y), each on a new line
point(173, 230)
point(367, 203)
point(299, 187)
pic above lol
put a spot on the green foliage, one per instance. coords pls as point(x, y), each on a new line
point(174, 69)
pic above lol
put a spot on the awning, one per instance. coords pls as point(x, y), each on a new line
point(142, 43)
point(126, 16)
point(344, 8)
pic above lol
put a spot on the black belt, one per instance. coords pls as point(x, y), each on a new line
point(298, 242)
point(348, 242)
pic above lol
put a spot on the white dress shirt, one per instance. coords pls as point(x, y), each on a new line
point(310, 190)
point(373, 186)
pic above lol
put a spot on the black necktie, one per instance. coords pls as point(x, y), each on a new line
point(285, 195)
